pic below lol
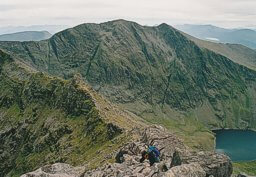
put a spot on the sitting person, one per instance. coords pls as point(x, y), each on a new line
point(152, 154)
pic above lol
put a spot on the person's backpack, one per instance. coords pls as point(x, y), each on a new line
point(155, 150)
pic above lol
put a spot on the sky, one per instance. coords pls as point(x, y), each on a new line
point(223, 13)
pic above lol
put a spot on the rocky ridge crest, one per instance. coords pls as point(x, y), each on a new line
point(177, 160)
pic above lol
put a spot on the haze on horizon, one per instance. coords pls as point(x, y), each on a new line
point(223, 13)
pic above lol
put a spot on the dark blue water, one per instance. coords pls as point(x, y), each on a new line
point(239, 145)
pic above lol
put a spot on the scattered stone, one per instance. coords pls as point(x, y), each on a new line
point(176, 160)
point(57, 170)
point(188, 170)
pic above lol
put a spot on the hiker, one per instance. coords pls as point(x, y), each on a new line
point(152, 154)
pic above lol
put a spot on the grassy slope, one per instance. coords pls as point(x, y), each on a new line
point(191, 131)
point(245, 167)
point(46, 119)
point(155, 72)
point(156, 66)
point(238, 53)
point(48, 131)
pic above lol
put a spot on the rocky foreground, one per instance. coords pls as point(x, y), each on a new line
point(177, 160)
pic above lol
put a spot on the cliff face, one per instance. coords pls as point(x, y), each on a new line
point(151, 71)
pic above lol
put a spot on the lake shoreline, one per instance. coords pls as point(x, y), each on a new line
point(217, 129)
point(236, 143)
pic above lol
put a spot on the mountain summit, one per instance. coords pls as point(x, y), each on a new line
point(149, 75)
point(155, 72)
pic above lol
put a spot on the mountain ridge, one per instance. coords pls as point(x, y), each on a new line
point(238, 53)
point(46, 119)
point(26, 36)
point(154, 75)
point(121, 55)
point(245, 37)
point(50, 28)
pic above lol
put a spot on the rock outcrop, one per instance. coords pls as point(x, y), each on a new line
point(177, 160)
point(57, 170)
point(190, 170)
point(46, 120)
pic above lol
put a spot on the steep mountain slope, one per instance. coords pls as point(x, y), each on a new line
point(46, 119)
point(246, 37)
point(155, 72)
point(237, 53)
point(26, 36)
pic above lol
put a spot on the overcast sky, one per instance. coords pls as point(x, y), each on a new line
point(225, 13)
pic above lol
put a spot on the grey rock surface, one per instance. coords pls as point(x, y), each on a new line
point(57, 170)
point(189, 170)
point(176, 160)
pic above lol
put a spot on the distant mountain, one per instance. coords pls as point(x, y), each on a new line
point(26, 36)
point(154, 74)
point(161, 70)
point(50, 28)
point(236, 52)
point(246, 37)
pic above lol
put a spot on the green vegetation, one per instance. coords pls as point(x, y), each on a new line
point(156, 73)
point(237, 53)
point(46, 120)
point(245, 167)
point(191, 131)
point(141, 67)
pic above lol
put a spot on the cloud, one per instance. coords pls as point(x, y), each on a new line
point(228, 13)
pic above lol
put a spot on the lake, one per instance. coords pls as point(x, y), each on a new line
point(239, 145)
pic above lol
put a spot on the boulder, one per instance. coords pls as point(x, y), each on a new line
point(57, 170)
point(176, 160)
point(218, 165)
point(188, 170)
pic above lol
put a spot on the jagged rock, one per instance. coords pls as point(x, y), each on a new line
point(218, 165)
point(188, 170)
point(176, 159)
point(182, 77)
point(57, 170)
point(36, 127)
